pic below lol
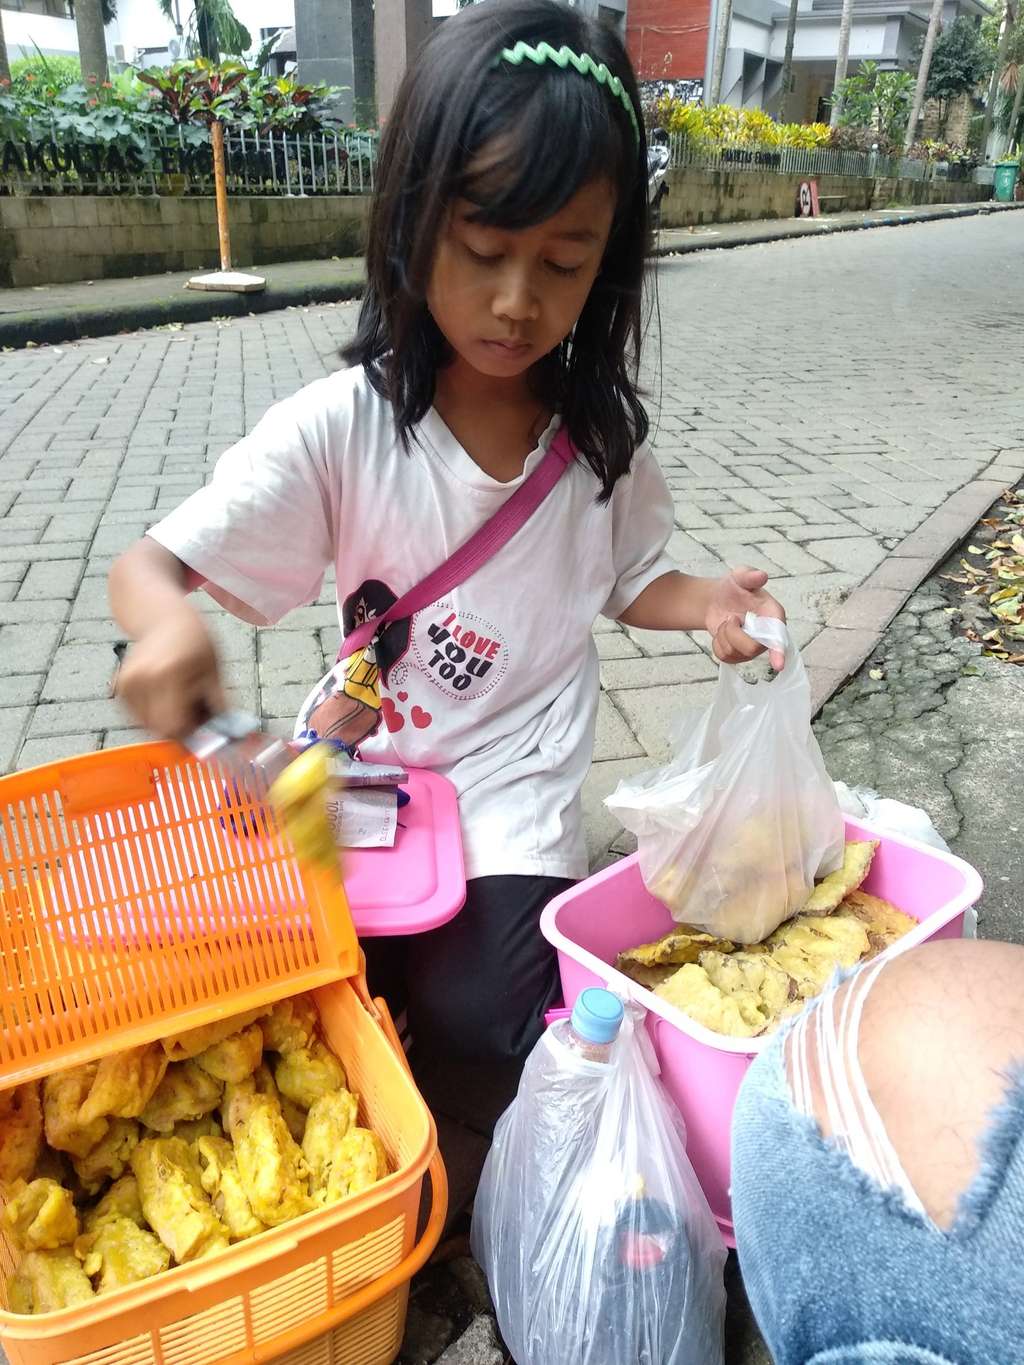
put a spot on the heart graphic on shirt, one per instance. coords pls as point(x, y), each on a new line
point(393, 718)
point(403, 696)
point(420, 718)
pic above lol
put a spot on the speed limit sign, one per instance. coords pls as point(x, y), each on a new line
point(807, 202)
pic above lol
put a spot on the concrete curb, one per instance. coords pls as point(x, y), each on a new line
point(853, 631)
point(822, 227)
point(55, 325)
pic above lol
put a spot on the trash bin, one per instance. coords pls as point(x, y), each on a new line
point(1005, 180)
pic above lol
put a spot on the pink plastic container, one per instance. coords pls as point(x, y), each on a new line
point(595, 921)
point(419, 884)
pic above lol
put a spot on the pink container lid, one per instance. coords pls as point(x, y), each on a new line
point(419, 884)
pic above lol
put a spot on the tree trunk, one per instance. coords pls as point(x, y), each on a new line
point(721, 45)
point(842, 60)
point(1009, 19)
point(5, 66)
point(934, 22)
point(92, 42)
point(787, 61)
point(1017, 99)
point(206, 33)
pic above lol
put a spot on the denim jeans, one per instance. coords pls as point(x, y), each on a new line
point(841, 1272)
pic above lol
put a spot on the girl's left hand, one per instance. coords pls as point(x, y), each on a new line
point(740, 591)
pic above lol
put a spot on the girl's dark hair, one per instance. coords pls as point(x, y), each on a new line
point(554, 131)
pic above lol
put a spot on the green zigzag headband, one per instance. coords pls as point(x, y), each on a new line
point(584, 64)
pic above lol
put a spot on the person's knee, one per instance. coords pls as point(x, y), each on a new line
point(941, 1028)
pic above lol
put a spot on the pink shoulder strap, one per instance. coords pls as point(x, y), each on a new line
point(483, 545)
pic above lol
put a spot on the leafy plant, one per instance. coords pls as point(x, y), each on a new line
point(213, 28)
point(134, 110)
point(875, 99)
point(849, 138)
point(197, 91)
point(53, 72)
point(960, 62)
point(952, 153)
point(724, 124)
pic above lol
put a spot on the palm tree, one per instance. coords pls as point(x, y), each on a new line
point(787, 60)
point(92, 40)
point(5, 66)
point(214, 28)
point(842, 60)
point(934, 23)
point(1015, 111)
point(1009, 21)
point(721, 44)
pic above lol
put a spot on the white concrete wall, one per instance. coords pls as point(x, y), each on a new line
point(819, 42)
point(749, 37)
point(139, 24)
point(24, 32)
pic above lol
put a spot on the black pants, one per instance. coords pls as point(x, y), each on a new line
point(475, 992)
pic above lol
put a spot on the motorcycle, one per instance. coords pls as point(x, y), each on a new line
point(658, 157)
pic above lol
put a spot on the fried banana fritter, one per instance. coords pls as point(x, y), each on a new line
point(176, 1206)
point(191, 1130)
point(234, 1058)
point(330, 1119)
point(41, 1216)
point(119, 1252)
point(830, 893)
point(748, 992)
point(116, 1170)
point(680, 945)
point(182, 1046)
point(63, 1097)
point(303, 1076)
point(883, 922)
point(692, 991)
point(290, 1025)
point(120, 1201)
point(21, 1132)
point(109, 1159)
point(46, 1281)
point(187, 1092)
point(223, 1183)
point(124, 1084)
point(271, 1165)
point(359, 1163)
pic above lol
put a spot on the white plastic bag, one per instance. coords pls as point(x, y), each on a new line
point(891, 817)
point(896, 817)
point(597, 1242)
point(734, 831)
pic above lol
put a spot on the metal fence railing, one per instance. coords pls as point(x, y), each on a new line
point(289, 164)
point(806, 161)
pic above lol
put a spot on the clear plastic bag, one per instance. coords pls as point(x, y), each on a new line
point(597, 1242)
point(734, 831)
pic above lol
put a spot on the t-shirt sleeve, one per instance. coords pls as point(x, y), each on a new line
point(643, 520)
point(261, 532)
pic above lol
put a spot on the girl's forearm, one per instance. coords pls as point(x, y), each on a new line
point(147, 584)
point(675, 601)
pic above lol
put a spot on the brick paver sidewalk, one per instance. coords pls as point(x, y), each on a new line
point(821, 402)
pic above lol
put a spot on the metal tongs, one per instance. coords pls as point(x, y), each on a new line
point(254, 759)
point(235, 742)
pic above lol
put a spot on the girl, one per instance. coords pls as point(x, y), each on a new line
point(503, 302)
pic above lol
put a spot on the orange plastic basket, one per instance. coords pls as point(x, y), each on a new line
point(141, 897)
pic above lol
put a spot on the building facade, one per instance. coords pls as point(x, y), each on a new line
point(141, 35)
point(672, 40)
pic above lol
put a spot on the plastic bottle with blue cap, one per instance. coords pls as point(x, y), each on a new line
point(594, 1026)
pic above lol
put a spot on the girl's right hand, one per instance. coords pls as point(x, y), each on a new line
point(170, 678)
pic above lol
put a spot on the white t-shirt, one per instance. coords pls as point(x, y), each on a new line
point(496, 687)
